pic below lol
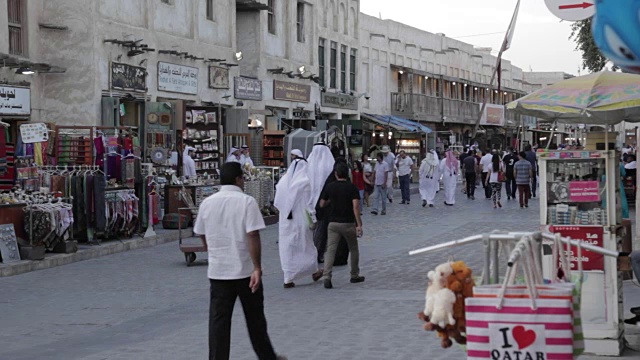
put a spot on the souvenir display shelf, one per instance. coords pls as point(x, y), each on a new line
point(74, 145)
point(411, 147)
point(273, 145)
point(202, 131)
point(579, 199)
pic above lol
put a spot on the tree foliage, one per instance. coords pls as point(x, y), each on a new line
point(592, 59)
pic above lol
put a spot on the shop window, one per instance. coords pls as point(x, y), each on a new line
point(352, 70)
point(271, 17)
point(343, 68)
point(400, 85)
point(333, 63)
point(300, 21)
point(321, 60)
point(210, 10)
point(16, 10)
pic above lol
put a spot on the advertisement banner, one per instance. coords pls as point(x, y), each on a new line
point(177, 78)
point(128, 77)
point(15, 100)
point(592, 235)
point(584, 191)
point(341, 101)
point(492, 115)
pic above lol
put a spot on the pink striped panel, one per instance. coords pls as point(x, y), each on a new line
point(552, 356)
point(548, 326)
point(520, 310)
point(549, 341)
point(479, 354)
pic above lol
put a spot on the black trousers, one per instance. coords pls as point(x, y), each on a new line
point(511, 187)
point(223, 298)
point(486, 187)
point(471, 183)
point(534, 183)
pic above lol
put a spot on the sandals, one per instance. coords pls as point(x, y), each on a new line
point(317, 275)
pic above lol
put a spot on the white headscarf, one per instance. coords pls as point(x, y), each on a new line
point(232, 157)
point(297, 153)
point(320, 166)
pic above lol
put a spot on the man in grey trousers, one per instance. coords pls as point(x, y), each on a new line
point(343, 199)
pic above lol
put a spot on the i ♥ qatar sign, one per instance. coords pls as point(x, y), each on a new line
point(517, 342)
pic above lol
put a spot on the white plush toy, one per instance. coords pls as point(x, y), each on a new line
point(437, 281)
point(442, 314)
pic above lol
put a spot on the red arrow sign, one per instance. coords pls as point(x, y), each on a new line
point(584, 5)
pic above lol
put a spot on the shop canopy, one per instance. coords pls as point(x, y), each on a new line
point(397, 123)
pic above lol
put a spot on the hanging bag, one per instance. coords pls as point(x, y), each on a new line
point(530, 321)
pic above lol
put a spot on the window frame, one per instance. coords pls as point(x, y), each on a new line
point(321, 60)
point(209, 13)
point(343, 68)
point(18, 27)
point(300, 22)
point(353, 64)
point(271, 17)
point(333, 64)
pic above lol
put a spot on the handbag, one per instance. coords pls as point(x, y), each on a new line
point(516, 321)
point(502, 177)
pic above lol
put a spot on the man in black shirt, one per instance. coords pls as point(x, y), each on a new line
point(510, 160)
point(344, 221)
point(470, 166)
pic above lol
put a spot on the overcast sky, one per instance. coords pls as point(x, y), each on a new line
point(541, 42)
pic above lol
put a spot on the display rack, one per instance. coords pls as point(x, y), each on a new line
point(579, 199)
point(273, 144)
point(74, 145)
point(202, 131)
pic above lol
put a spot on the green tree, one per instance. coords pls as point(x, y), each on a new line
point(592, 58)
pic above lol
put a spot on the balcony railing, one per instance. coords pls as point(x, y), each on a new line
point(414, 105)
point(460, 111)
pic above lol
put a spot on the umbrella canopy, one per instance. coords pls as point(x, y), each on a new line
point(599, 98)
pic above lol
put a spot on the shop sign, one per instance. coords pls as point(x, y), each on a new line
point(247, 88)
point(177, 78)
point(34, 133)
point(572, 155)
point(356, 137)
point(128, 77)
point(291, 91)
point(15, 100)
point(592, 235)
point(492, 115)
point(341, 101)
point(218, 77)
point(584, 191)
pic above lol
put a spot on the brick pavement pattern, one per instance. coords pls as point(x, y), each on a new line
point(146, 304)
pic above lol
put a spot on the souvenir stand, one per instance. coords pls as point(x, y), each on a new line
point(578, 199)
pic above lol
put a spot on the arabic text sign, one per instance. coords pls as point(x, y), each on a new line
point(15, 100)
point(591, 235)
point(247, 88)
point(291, 91)
point(128, 77)
point(339, 101)
point(584, 191)
point(177, 78)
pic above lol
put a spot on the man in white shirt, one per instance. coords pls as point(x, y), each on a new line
point(230, 223)
point(485, 163)
point(405, 167)
point(380, 183)
point(245, 156)
point(390, 159)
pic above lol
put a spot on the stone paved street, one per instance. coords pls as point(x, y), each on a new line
point(146, 304)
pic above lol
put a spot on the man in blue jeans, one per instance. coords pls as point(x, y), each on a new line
point(405, 167)
point(380, 183)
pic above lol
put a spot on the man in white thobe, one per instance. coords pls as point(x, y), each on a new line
point(321, 163)
point(234, 155)
point(188, 164)
point(390, 159)
point(245, 157)
point(449, 168)
point(298, 254)
point(429, 178)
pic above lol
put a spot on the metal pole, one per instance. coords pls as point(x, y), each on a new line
point(487, 94)
point(487, 259)
point(496, 267)
point(553, 128)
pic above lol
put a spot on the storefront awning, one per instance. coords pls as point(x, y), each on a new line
point(395, 122)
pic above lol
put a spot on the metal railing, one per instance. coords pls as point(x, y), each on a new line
point(414, 104)
point(461, 110)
